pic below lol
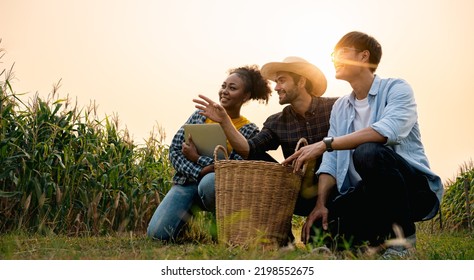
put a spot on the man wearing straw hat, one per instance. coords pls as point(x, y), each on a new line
point(301, 85)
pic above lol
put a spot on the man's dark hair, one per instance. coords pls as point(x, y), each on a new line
point(296, 78)
point(362, 41)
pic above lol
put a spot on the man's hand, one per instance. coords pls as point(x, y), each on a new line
point(305, 154)
point(316, 214)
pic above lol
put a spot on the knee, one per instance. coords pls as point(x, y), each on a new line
point(366, 155)
point(171, 213)
point(367, 150)
point(206, 185)
point(156, 231)
point(206, 191)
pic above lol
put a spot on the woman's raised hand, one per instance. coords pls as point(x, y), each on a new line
point(210, 109)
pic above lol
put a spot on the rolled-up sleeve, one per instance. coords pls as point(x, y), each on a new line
point(399, 115)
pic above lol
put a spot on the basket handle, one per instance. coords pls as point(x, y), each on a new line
point(302, 142)
point(216, 151)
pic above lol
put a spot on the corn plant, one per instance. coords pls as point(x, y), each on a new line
point(458, 201)
point(65, 170)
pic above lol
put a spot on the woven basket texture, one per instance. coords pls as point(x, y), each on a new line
point(255, 201)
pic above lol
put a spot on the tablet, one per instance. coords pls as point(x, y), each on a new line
point(206, 137)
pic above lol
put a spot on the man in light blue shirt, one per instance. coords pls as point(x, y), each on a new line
point(374, 181)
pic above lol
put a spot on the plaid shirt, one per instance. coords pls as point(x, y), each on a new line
point(188, 171)
point(287, 127)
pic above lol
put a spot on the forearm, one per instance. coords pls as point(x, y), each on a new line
point(326, 183)
point(236, 139)
point(206, 170)
point(353, 140)
point(320, 212)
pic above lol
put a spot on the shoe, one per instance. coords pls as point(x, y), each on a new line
point(400, 248)
point(324, 251)
point(394, 253)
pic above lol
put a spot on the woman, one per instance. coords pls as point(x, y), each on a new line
point(193, 183)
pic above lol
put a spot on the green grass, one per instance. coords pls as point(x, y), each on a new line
point(447, 246)
point(132, 246)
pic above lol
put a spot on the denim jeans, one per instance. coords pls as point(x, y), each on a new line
point(391, 192)
point(176, 207)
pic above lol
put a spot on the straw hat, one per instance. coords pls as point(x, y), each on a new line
point(298, 66)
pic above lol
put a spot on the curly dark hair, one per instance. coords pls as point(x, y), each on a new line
point(258, 86)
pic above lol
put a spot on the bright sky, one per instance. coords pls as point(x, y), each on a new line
point(146, 60)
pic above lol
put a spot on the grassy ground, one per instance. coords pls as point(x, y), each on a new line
point(20, 246)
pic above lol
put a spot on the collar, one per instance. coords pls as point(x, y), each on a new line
point(312, 108)
point(373, 91)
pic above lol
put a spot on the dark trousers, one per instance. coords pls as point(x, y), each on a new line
point(391, 192)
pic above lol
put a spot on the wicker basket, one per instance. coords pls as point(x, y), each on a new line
point(255, 200)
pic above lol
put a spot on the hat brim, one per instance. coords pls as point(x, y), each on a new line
point(307, 70)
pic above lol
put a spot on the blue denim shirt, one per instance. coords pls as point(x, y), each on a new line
point(393, 115)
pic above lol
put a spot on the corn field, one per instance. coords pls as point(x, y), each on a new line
point(64, 170)
point(457, 209)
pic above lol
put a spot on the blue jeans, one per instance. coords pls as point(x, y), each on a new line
point(176, 207)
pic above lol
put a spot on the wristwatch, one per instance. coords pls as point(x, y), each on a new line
point(328, 141)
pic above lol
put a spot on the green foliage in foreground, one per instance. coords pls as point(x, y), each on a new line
point(430, 246)
point(197, 243)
